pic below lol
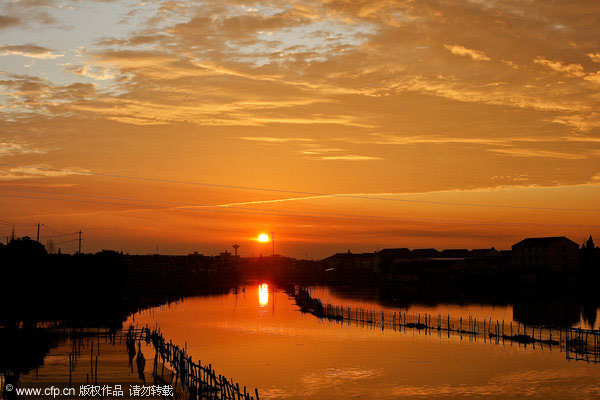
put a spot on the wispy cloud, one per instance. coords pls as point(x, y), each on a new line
point(594, 77)
point(579, 121)
point(516, 152)
point(271, 140)
point(28, 50)
point(317, 79)
point(595, 57)
point(319, 150)
point(42, 185)
point(463, 51)
point(7, 21)
point(510, 63)
point(386, 139)
point(11, 148)
point(94, 72)
point(350, 157)
point(575, 70)
point(35, 171)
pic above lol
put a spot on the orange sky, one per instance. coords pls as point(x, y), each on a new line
point(483, 102)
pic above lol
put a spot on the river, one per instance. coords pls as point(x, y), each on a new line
point(257, 336)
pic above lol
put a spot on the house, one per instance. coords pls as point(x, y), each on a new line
point(552, 253)
point(424, 254)
point(349, 261)
point(393, 256)
point(455, 253)
point(482, 253)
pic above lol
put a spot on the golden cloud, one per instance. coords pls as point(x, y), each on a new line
point(459, 50)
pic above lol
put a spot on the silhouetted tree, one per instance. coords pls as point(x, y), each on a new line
point(24, 247)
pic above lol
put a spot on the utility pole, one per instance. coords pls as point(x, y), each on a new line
point(79, 251)
point(13, 233)
point(37, 238)
point(273, 241)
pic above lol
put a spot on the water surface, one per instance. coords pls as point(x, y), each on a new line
point(258, 337)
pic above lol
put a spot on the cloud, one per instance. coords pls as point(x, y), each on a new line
point(466, 92)
point(579, 121)
point(350, 157)
point(8, 21)
point(11, 148)
point(96, 73)
point(28, 50)
point(459, 50)
point(595, 57)
point(42, 185)
point(539, 153)
point(575, 70)
point(319, 150)
point(270, 140)
point(594, 77)
point(384, 139)
point(510, 63)
point(35, 171)
point(327, 70)
point(31, 95)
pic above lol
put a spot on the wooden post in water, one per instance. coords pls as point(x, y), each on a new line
point(484, 331)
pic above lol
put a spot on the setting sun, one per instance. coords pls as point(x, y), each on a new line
point(263, 237)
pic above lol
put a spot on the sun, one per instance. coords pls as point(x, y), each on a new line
point(263, 237)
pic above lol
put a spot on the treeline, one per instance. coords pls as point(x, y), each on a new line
point(100, 289)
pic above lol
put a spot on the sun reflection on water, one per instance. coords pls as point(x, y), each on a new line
point(263, 294)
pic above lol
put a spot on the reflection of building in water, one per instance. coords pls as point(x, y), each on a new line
point(554, 253)
point(263, 294)
point(550, 312)
point(589, 314)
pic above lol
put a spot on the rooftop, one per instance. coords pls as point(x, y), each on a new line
point(541, 241)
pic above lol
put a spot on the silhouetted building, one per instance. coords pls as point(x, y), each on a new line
point(590, 257)
point(553, 253)
point(363, 261)
point(483, 253)
point(455, 253)
point(393, 256)
point(505, 253)
point(425, 253)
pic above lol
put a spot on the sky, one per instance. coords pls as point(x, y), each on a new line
point(337, 125)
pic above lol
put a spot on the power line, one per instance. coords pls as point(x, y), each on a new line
point(31, 224)
point(66, 241)
point(351, 196)
point(54, 230)
point(58, 235)
point(309, 214)
point(4, 222)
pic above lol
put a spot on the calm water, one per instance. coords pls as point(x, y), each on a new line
point(258, 338)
